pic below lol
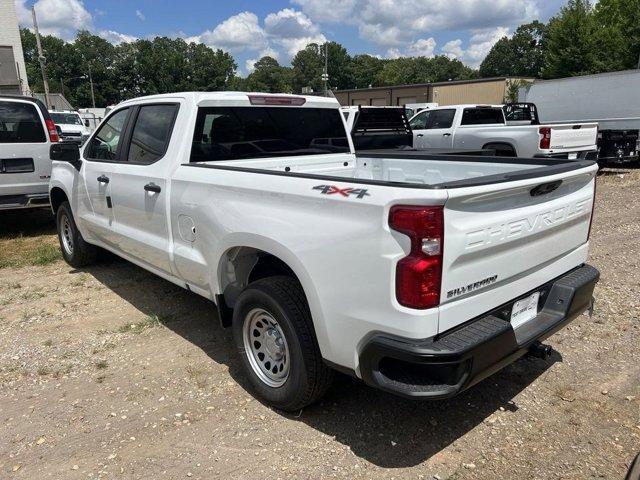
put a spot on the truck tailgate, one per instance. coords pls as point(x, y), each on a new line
point(568, 136)
point(498, 235)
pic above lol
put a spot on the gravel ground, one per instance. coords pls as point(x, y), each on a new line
point(114, 373)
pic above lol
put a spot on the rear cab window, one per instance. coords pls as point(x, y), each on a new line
point(20, 123)
point(482, 116)
point(232, 133)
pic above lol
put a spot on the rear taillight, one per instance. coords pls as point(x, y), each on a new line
point(593, 205)
point(51, 128)
point(545, 138)
point(419, 274)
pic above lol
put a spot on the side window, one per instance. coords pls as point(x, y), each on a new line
point(441, 119)
point(420, 121)
point(20, 123)
point(482, 116)
point(104, 144)
point(151, 133)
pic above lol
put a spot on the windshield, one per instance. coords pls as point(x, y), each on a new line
point(230, 133)
point(66, 118)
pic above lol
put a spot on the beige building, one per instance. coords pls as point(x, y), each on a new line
point(484, 90)
point(13, 74)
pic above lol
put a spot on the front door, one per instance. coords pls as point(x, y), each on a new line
point(433, 129)
point(139, 188)
point(100, 161)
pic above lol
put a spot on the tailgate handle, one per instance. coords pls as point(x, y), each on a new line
point(545, 188)
point(577, 127)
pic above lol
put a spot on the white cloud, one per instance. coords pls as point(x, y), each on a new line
point(61, 18)
point(397, 23)
point(453, 49)
point(236, 34)
point(116, 38)
point(334, 11)
point(423, 47)
point(479, 45)
point(289, 23)
point(140, 15)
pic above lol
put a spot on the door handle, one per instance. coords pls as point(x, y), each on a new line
point(446, 134)
point(420, 135)
point(103, 179)
point(152, 187)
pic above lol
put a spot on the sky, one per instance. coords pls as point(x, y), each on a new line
point(250, 29)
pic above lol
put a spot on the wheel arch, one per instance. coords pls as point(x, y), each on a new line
point(503, 146)
point(57, 196)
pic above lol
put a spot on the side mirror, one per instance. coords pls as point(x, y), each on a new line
point(66, 152)
point(86, 123)
point(59, 130)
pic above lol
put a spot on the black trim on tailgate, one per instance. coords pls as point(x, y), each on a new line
point(548, 167)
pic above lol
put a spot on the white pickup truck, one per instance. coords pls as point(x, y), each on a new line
point(486, 127)
point(420, 274)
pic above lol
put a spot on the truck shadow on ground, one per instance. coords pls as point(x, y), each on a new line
point(26, 223)
point(385, 430)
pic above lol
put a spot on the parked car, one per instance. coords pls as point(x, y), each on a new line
point(485, 127)
point(387, 128)
point(26, 133)
point(72, 126)
point(420, 274)
point(610, 99)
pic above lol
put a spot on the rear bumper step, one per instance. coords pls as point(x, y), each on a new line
point(445, 365)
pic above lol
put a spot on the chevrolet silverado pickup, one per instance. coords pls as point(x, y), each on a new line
point(419, 274)
point(488, 127)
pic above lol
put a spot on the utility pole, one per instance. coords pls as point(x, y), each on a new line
point(93, 97)
point(325, 74)
point(41, 59)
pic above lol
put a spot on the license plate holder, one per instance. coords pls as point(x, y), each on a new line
point(524, 310)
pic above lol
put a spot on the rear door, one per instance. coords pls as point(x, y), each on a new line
point(139, 187)
point(433, 128)
point(25, 166)
point(504, 239)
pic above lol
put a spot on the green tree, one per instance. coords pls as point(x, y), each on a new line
point(408, 70)
point(269, 76)
point(308, 65)
point(522, 55)
point(622, 19)
point(365, 70)
point(577, 45)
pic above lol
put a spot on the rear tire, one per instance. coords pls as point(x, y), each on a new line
point(75, 251)
point(274, 335)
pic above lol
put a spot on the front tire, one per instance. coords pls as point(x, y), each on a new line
point(273, 332)
point(75, 251)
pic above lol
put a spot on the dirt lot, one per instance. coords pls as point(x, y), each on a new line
point(113, 373)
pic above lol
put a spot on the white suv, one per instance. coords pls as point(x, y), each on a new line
point(26, 134)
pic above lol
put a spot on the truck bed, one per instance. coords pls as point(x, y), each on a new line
point(415, 169)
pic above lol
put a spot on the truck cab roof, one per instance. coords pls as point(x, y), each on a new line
point(240, 99)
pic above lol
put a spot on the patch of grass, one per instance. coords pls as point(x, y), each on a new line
point(44, 255)
point(43, 370)
point(32, 295)
point(14, 285)
point(100, 378)
point(80, 280)
point(101, 364)
point(47, 343)
point(150, 322)
point(23, 251)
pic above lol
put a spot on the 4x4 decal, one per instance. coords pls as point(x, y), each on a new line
point(345, 192)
